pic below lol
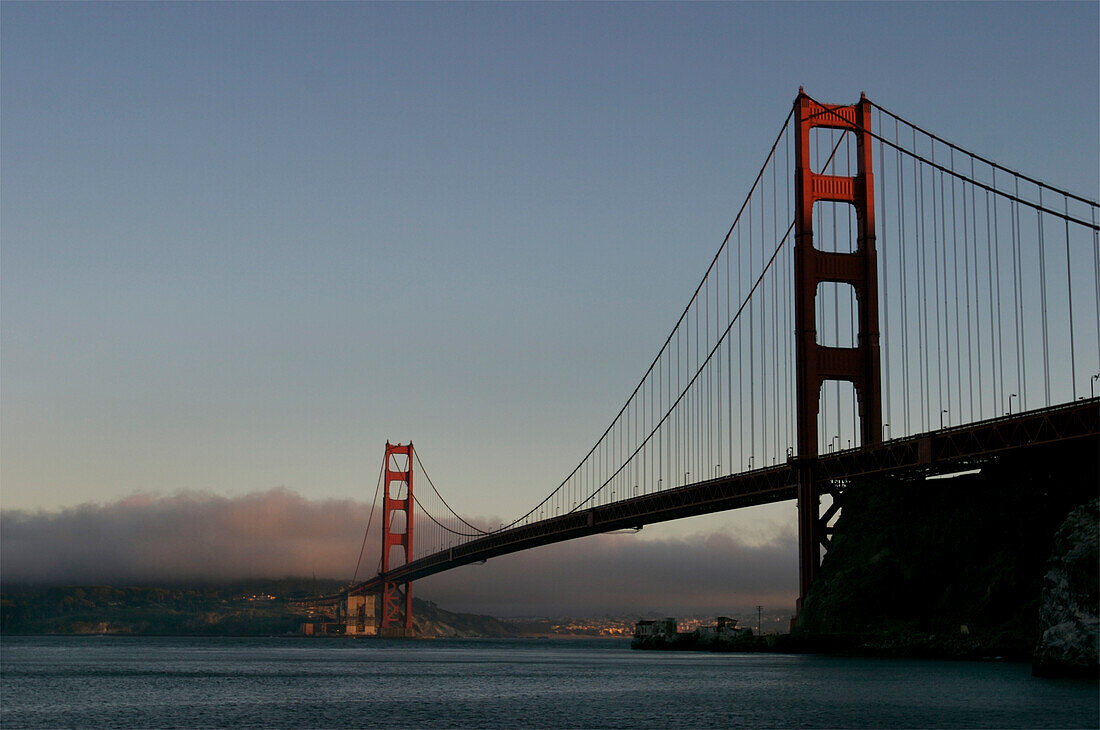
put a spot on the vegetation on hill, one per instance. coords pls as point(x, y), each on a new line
point(239, 609)
point(257, 608)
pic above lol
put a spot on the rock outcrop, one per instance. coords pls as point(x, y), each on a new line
point(1069, 614)
point(955, 567)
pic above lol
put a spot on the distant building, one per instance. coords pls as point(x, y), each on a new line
point(661, 627)
point(360, 615)
point(663, 634)
point(654, 633)
point(724, 629)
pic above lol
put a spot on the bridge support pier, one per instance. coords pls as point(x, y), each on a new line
point(809, 529)
point(815, 364)
point(396, 619)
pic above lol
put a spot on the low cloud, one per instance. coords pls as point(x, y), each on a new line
point(277, 533)
point(191, 536)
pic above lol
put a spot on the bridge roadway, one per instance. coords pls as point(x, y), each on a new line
point(914, 457)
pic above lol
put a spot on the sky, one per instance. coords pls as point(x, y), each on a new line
point(244, 244)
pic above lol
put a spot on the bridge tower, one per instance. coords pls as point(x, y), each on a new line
point(815, 363)
point(397, 596)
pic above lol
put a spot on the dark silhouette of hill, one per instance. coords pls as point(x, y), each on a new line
point(250, 608)
point(947, 566)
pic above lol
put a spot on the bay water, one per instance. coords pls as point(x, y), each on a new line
point(147, 682)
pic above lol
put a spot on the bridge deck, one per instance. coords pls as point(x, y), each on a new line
point(906, 458)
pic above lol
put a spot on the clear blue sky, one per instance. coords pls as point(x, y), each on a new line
point(245, 244)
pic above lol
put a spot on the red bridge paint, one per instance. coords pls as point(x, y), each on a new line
point(814, 363)
point(397, 595)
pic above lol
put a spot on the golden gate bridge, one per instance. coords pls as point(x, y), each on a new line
point(885, 303)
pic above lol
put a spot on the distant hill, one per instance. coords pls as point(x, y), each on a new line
point(253, 608)
point(239, 609)
point(432, 621)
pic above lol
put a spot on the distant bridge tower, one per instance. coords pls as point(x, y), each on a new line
point(397, 596)
point(815, 363)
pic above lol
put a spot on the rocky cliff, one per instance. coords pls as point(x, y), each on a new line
point(951, 567)
point(1068, 615)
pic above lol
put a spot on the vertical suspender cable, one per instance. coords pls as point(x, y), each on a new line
point(676, 438)
point(852, 223)
point(1096, 280)
point(709, 398)
point(1043, 301)
point(819, 315)
point(741, 363)
point(727, 403)
point(992, 252)
point(788, 300)
point(752, 358)
point(944, 361)
point(955, 280)
point(937, 250)
point(1017, 297)
point(1069, 297)
point(719, 403)
point(884, 287)
point(947, 333)
point(903, 271)
point(775, 316)
point(922, 309)
point(1018, 301)
point(733, 467)
point(997, 312)
point(836, 309)
point(967, 238)
point(977, 289)
point(763, 346)
point(700, 345)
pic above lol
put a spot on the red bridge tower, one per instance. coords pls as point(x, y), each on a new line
point(397, 596)
point(815, 363)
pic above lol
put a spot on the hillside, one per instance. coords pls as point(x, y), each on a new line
point(238, 609)
point(432, 621)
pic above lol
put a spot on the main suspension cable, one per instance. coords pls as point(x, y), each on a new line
point(675, 329)
point(441, 499)
point(978, 157)
point(695, 377)
point(736, 318)
point(1015, 198)
point(366, 532)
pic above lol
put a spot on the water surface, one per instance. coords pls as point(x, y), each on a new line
point(134, 682)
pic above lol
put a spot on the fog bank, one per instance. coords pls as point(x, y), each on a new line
point(203, 537)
